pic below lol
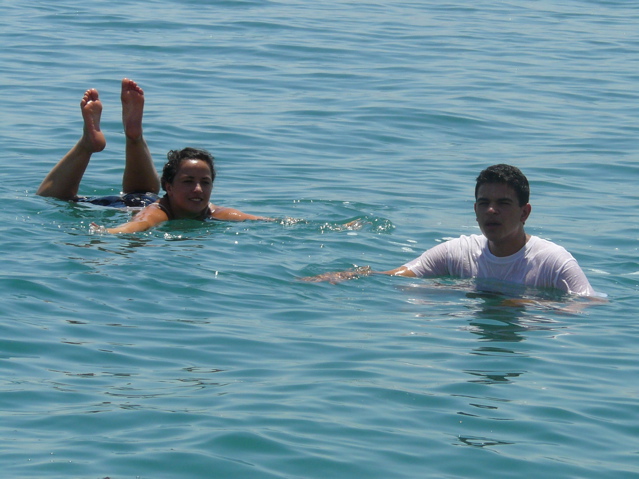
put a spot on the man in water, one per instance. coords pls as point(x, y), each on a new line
point(504, 252)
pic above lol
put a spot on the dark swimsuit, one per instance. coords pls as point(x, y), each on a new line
point(140, 200)
point(130, 200)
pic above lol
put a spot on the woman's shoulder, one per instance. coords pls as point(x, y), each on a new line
point(217, 212)
point(155, 212)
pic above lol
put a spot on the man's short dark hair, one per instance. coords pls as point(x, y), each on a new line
point(175, 158)
point(509, 175)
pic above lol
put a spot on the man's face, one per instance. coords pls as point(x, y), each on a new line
point(499, 215)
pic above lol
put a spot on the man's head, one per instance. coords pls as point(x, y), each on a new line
point(502, 208)
point(508, 175)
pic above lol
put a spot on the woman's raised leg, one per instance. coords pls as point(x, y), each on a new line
point(140, 175)
point(63, 181)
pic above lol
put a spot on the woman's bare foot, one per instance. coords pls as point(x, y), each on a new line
point(63, 180)
point(139, 171)
point(91, 107)
point(132, 108)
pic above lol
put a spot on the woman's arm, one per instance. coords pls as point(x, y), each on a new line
point(231, 214)
point(146, 219)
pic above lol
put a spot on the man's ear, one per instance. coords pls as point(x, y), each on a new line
point(525, 212)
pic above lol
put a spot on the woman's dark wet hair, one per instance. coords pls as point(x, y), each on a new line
point(509, 175)
point(175, 158)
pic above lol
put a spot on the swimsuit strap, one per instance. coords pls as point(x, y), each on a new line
point(165, 206)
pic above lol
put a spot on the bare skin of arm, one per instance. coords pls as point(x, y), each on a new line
point(335, 277)
point(152, 216)
point(231, 214)
point(146, 219)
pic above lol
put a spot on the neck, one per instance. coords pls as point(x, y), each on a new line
point(177, 214)
point(508, 247)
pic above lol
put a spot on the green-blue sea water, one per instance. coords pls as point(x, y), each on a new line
point(194, 350)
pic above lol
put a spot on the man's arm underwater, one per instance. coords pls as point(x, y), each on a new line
point(335, 277)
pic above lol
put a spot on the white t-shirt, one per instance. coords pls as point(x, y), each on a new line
point(540, 264)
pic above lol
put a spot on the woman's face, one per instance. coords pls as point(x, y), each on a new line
point(191, 188)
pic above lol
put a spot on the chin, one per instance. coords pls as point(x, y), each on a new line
point(492, 237)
